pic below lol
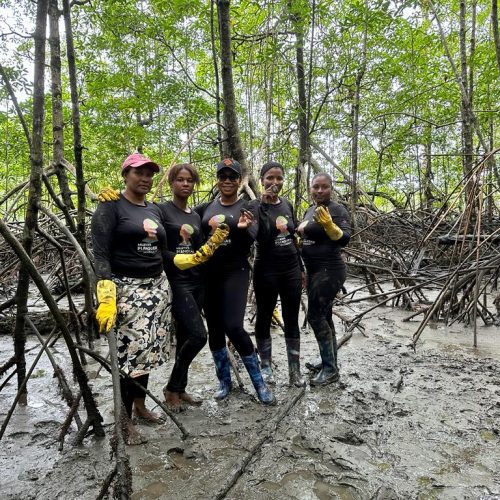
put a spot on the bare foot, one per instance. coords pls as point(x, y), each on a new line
point(134, 437)
point(142, 412)
point(189, 400)
point(173, 401)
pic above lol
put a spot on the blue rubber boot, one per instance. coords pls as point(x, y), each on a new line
point(265, 346)
point(252, 365)
point(223, 371)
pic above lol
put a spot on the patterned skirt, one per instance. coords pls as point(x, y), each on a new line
point(142, 323)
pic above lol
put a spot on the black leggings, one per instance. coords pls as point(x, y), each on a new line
point(187, 301)
point(225, 304)
point(130, 391)
point(267, 287)
point(322, 287)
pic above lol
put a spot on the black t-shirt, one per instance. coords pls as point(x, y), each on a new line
point(184, 236)
point(275, 241)
point(235, 250)
point(318, 250)
point(128, 240)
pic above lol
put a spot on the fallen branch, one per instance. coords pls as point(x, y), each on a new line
point(239, 468)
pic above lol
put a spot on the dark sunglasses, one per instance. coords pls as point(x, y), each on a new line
point(228, 177)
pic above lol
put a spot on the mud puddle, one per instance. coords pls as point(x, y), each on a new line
point(399, 425)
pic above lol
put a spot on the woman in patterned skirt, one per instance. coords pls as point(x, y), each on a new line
point(130, 251)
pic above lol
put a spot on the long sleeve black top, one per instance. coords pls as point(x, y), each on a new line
point(184, 236)
point(235, 250)
point(128, 240)
point(275, 240)
point(318, 250)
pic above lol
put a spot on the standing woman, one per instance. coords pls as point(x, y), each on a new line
point(324, 231)
point(226, 281)
point(183, 227)
point(278, 270)
point(129, 245)
point(130, 252)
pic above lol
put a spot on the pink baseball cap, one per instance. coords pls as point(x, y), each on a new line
point(137, 160)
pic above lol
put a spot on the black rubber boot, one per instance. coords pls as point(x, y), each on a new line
point(223, 371)
point(265, 346)
point(252, 365)
point(328, 373)
point(293, 353)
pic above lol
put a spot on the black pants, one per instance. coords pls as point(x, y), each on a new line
point(187, 302)
point(225, 304)
point(130, 391)
point(267, 287)
point(322, 287)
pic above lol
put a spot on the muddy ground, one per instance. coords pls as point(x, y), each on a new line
point(399, 425)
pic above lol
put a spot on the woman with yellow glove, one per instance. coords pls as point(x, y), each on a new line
point(324, 230)
point(130, 249)
point(227, 279)
point(184, 238)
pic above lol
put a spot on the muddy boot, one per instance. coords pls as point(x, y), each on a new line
point(328, 372)
point(264, 346)
point(252, 365)
point(223, 370)
point(293, 353)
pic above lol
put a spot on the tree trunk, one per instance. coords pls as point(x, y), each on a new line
point(355, 122)
point(77, 136)
point(467, 134)
point(235, 148)
point(304, 148)
point(220, 134)
point(77, 146)
point(57, 107)
point(36, 157)
point(494, 26)
point(427, 180)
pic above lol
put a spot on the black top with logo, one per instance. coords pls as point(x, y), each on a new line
point(318, 250)
point(235, 250)
point(275, 241)
point(128, 240)
point(184, 236)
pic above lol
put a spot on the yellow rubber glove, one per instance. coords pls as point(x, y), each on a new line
point(188, 260)
point(106, 312)
point(108, 194)
point(322, 216)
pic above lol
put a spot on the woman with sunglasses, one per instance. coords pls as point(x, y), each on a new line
point(227, 279)
point(278, 270)
point(324, 231)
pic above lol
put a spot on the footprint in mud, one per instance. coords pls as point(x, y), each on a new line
point(18, 434)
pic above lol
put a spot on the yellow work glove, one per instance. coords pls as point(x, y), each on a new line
point(187, 260)
point(106, 312)
point(108, 194)
point(322, 216)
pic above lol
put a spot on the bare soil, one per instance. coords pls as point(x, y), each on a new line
point(399, 425)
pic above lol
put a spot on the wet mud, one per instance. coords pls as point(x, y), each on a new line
point(399, 425)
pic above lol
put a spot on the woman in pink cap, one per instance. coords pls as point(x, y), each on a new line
point(130, 251)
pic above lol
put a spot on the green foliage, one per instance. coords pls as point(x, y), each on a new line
point(147, 80)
